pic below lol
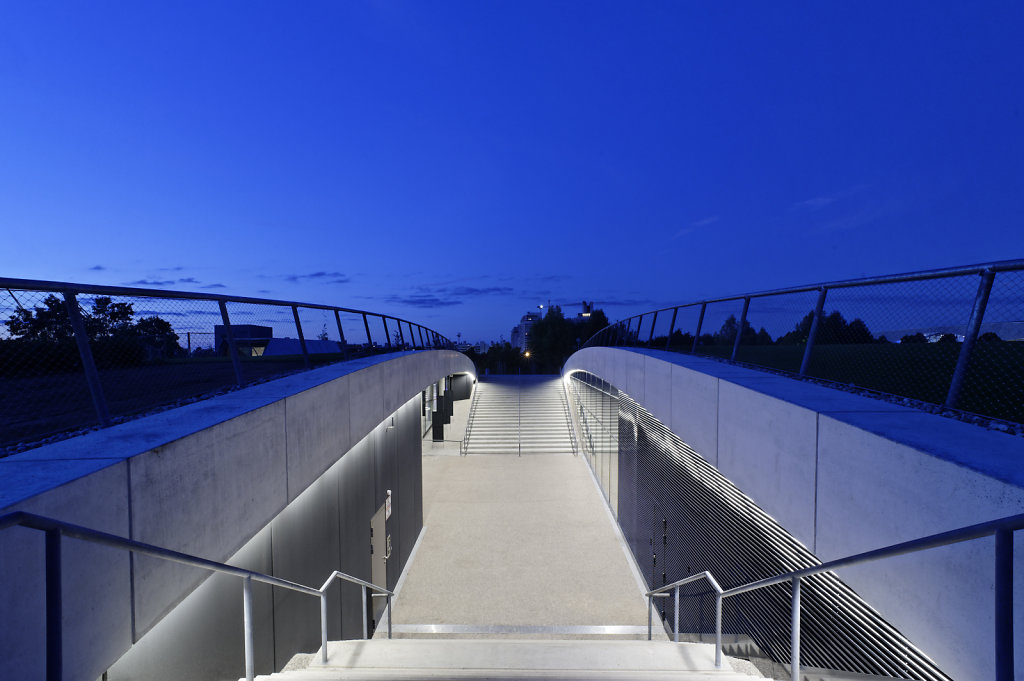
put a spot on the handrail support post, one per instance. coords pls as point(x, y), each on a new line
point(250, 671)
point(650, 616)
point(1004, 604)
point(236, 363)
point(366, 630)
point(794, 661)
point(323, 627)
point(700, 323)
point(671, 329)
point(718, 630)
point(677, 615)
point(54, 608)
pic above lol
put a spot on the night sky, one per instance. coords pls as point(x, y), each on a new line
point(459, 163)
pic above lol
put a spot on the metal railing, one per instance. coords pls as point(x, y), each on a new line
point(951, 337)
point(55, 530)
point(75, 356)
point(464, 447)
point(1002, 529)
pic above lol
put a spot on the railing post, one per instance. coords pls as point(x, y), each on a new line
point(92, 377)
point(250, 667)
point(387, 334)
point(341, 335)
point(818, 307)
point(677, 615)
point(323, 627)
point(422, 343)
point(700, 323)
point(625, 332)
point(794, 661)
point(973, 328)
point(232, 349)
point(718, 629)
point(366, 630)
point(739, 329)
point(1004, 605)
point(302, 337)
point(671, 328)
point(389, 615)
point(54, 608)
point(650, 615)
point(654, 324)
point(366, 325)
point(401, 334)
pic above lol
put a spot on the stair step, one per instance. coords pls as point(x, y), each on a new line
point(413, 659)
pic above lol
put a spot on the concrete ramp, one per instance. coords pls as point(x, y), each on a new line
point(412, 660)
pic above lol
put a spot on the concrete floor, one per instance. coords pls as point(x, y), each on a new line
point(512, 542)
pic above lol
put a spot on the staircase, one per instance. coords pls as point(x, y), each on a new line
point(420, 659)
point(519, 415)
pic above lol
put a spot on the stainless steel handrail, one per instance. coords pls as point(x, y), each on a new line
point(55, 529)
point(464, 447)
point(675, 585)
point(1002, 529)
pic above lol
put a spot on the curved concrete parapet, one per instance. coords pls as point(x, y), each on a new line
point(203, 479)
point(845, 473)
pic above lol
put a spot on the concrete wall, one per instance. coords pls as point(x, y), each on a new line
point(845, 473)
point(204, 479)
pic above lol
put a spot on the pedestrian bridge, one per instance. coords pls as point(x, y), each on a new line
point(522, 552)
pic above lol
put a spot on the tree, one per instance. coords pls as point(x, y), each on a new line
point(914, 338)
point(47, 323)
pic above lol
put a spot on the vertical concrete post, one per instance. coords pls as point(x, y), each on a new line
point(92, 376)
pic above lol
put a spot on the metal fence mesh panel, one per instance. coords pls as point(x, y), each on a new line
point(909, 335)
point(906, 341)
point(994, 383)
point(148, 350)
point(42, 384)
point(764, 341)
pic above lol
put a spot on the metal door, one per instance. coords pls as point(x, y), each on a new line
point(380, 551)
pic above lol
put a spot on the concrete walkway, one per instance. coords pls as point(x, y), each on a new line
point(517, 545)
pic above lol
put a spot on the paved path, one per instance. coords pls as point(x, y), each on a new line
point(521, 545)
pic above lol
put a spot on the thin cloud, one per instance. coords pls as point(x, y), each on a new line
point(188, 280)
point(424, 300)
point(97, 268)
point(695, 225)
point(214, 286)
point(331, 277)
point(176, 268)
point(470, 291)
point(150, 282)
point(816, 203)
point(613, 302)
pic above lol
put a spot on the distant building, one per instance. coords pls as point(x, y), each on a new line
point(586, 310)
point(250, 339)
point(521, 331)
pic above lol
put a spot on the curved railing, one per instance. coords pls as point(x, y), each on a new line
point(76, 356)
point(953, 338)
point(55, 531)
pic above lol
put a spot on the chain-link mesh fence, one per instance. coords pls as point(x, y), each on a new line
point(76, 357)
point(909, 336)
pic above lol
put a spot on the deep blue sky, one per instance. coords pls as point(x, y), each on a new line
point(457, 163)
